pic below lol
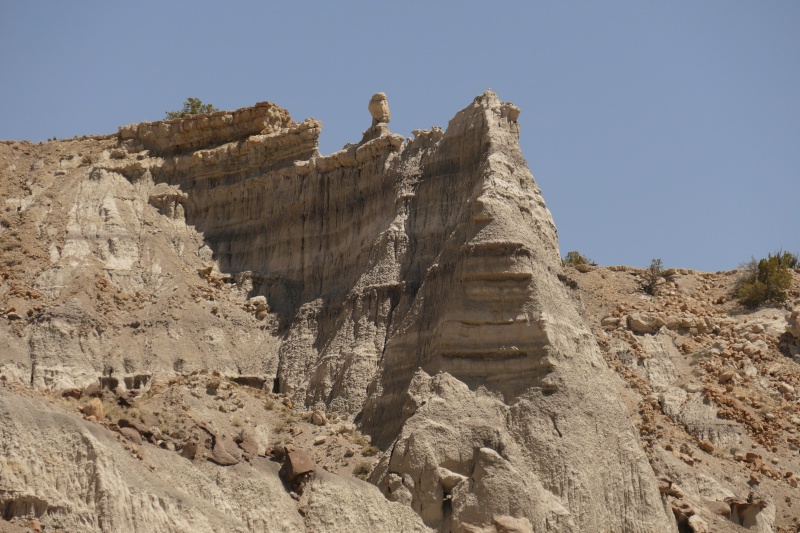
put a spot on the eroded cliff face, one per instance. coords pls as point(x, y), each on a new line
point(410, 283)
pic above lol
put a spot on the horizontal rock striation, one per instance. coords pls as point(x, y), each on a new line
point(200, 131)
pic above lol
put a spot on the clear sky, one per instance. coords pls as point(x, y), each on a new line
point(655, 129)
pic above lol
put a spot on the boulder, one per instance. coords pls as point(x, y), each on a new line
point(296, 463)
point(131, 434)
point(706, 446)
point(318, 417)
point(722, 509)
point(189, 450)
point(93, 390)
point(643, 323)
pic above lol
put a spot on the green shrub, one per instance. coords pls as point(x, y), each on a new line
point(770, 280)
point(192, 106)
point(574, 259)
point(653, 274)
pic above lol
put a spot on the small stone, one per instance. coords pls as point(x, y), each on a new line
point(350, 452)
point(320, 440)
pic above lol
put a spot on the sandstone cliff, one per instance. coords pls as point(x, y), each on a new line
point(412, 285)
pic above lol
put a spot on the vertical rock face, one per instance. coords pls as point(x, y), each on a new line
point(410, 282)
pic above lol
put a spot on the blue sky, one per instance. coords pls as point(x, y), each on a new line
point(654, 129)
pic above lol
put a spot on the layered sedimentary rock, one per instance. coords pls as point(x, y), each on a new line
point(411, 283)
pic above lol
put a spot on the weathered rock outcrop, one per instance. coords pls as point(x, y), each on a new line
point(75, 476)
point(413, 283)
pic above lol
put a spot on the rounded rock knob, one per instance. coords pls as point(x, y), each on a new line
point(379, 108)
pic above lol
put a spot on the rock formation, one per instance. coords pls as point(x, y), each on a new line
point(412, 286)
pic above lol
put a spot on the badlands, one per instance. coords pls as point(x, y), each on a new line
point(208, 326)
